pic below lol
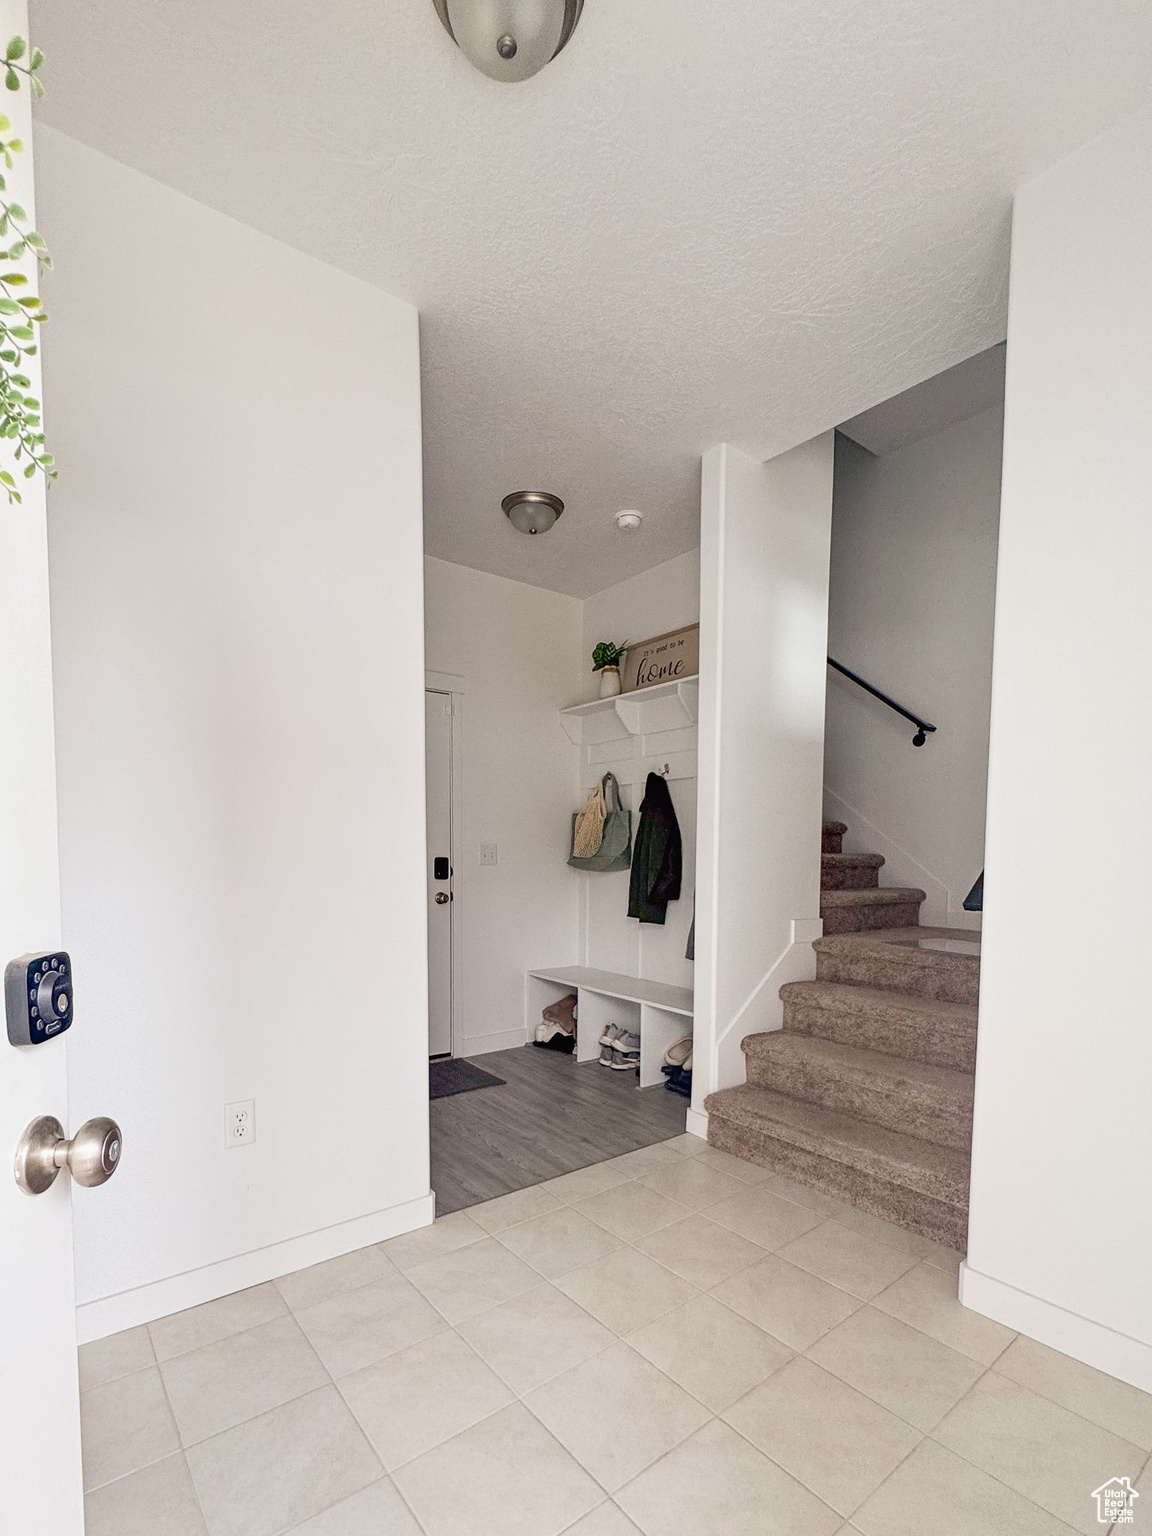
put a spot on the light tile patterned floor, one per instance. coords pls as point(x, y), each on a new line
point(674, 1343)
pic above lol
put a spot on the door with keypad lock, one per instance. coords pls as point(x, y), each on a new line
point(41, 1487)
point(439, 727)
point(38, 997)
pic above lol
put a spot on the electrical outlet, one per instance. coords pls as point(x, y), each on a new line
point(240, 1123)
point(488, 853)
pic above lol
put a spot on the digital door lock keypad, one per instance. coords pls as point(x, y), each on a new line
point(38, 997)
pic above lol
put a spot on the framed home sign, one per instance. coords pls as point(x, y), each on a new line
point(663, 659)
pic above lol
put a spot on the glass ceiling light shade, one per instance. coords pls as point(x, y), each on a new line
point(532, 511)
point(509, 40)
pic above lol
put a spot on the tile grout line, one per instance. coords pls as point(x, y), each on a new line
point(1055, 1401)
point(925, 1434)
point(931, 1435)
point(796, 1478)
point(991, 1371)
point(183, 1449)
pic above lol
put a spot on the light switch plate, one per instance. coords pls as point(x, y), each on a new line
point(488, 853)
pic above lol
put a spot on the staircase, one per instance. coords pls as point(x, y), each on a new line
point(866, 1091)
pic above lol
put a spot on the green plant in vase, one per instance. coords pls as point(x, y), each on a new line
point(606, 660)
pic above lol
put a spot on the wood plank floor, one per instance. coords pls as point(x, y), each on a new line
point(550, 1117)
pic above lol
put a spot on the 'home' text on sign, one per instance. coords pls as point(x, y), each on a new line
point(664, 659)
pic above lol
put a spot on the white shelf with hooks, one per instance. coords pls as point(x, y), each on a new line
point(665, 707)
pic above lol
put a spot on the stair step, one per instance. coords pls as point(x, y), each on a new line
point(856, 911)
point(939, 963)
point(940, 1033)
point(832, 836)
point(903, 1179)
point(850, 871)
point(934, 1103)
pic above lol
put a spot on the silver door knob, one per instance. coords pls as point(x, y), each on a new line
point(442, 898)
point(92, 1156)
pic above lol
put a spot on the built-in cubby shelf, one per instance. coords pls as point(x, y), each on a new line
point(664, 707)
point(659, 1013)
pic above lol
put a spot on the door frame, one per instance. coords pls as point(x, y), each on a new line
point(452, 684)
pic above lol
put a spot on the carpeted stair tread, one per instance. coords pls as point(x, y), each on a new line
point(900, 1024)
point(862, 999)
point(832, 836)
point(905, 960)
point(854, 911)
point(907, 1161)
point(907, 936)
point(913, 1097)
point(878, 896)
point(850, 871)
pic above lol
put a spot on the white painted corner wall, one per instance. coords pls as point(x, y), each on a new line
point(1061, 1220)
point(236, 558)
point(911, 596)
point(765, 531)
point(516, 650)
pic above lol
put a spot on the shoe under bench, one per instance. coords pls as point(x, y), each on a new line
point(660, 1013)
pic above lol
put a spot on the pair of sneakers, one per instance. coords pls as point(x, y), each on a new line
point(620, 1049)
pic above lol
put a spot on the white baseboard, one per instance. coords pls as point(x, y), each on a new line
point(697, 1124)
point(111, 1314)
point(1095, 1344)
point(506, 1040)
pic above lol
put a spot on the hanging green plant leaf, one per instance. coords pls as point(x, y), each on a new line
point(21, 411)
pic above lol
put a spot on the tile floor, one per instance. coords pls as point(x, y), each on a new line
point(673, 1343)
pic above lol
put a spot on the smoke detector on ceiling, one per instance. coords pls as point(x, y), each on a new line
point(629, 520)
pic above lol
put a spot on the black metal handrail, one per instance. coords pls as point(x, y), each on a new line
point(922, 726)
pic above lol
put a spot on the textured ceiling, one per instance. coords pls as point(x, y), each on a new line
point(737, 220)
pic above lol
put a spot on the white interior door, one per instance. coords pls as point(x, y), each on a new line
point(438, 730)
point(40, 1482)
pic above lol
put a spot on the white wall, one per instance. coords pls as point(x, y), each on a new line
point(517, 649)
point(910, 608)
point(1061, 1220)
point(765, 532)
point(664, 598)
point(237, 604)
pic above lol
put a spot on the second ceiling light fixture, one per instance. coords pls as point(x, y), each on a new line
point(509, 40)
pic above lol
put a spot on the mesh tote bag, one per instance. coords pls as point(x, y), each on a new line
point(588, 827)
point(614, 850)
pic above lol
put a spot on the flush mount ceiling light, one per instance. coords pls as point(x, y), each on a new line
point(532, 511)
point(509, 39)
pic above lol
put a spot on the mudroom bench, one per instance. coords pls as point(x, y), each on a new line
point(662, 1014)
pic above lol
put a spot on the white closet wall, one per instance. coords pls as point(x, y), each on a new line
point(667, 597)
point(237, 647)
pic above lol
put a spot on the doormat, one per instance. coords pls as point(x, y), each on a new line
point(448, 1077)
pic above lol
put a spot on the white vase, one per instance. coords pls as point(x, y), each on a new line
point(609, 682)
